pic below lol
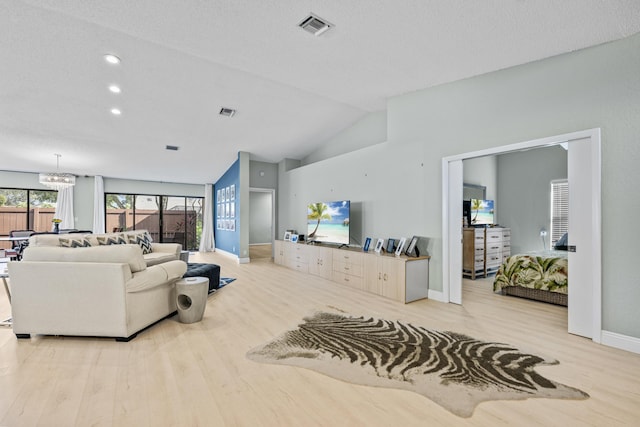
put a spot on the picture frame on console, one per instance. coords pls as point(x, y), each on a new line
point(400, 247)
point(391, 245)
point(378, 247)
point(287, 235)
point(294, 238)
point(367, 243)
point(412, 250)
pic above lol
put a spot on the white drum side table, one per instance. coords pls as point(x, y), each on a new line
point(191, 294)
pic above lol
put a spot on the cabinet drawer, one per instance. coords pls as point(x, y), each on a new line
point(494, 236)
point(494, 260)
point(297, 265)
point(348, 268)
point(347, 257)
point(348, 279)
point(493, 247)
point(479, 251)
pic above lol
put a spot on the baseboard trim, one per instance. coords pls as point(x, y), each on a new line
point(244, 260)
point(623, 342)
point(436, 295)
point(227, 254)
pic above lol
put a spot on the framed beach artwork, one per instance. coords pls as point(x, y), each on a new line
point(401, 244)
point(379, 244)
point(367, 243)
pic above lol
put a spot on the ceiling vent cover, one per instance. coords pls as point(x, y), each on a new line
point(227, 112)
point(172, 147)
point(315, 25)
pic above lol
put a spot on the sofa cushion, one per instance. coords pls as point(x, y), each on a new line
point(155, 258)
point(74, 242)
point(122, 254)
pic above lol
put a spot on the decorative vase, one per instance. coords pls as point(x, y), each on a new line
point(56, 227)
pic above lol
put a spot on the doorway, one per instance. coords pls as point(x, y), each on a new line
point(261, 223)
point(584, 163)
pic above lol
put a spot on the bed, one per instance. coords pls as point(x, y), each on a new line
point(541, 276)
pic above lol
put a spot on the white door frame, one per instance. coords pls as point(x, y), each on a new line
point(451, 223)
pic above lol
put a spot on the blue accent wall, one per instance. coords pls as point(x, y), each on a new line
point(227, 240)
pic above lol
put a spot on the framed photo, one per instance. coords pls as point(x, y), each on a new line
point(287, 235)
point(218, 211)
point(232, 190)
point(379, 244)
point(232, 225)
point(391, 245)
point(412, 251)
point(218, 195)
point(227, 210)
point(367, 243)
point(403, 241)
point(294, 238)
point(232, 212)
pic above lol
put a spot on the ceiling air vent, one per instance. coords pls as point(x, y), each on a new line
point(227, 112)
point(172, 147)
point(315, 25)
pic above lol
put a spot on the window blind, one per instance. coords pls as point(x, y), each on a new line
point(559, 209)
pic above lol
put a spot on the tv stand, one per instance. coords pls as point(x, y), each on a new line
point(400, 278)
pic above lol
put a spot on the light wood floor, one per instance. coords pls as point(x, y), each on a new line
point(175, 374)
point(260, 251)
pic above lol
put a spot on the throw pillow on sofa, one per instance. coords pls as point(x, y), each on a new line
point(111, 240)
point(79, 242)
point(141, 240)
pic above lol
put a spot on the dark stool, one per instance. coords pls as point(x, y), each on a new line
point(210, 271)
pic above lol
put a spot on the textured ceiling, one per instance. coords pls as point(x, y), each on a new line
point(182, 60)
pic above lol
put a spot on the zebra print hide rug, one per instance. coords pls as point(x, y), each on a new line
point(454, 370)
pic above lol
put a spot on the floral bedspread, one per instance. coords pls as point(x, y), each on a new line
point(546, 272)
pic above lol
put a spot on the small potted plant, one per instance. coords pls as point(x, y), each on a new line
point(56, 224)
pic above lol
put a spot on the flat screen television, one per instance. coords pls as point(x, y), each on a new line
point(328, 222)
point(481, 212)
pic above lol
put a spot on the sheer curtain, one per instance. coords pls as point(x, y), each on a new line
point(64, 208)
point(98, 205)
point(207, 242)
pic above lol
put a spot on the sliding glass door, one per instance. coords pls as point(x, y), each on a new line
point(167, 218)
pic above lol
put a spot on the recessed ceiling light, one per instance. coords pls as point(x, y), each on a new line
point(116, 111)
point(115, 89)
point(111, 59)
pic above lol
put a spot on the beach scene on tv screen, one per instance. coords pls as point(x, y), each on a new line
point(328, 222)
point(481, 211)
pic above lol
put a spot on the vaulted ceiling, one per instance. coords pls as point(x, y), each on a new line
point(183, 60)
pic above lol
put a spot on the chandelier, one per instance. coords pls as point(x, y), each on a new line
point(56, 180)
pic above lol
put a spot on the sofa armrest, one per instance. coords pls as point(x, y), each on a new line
point(174, 269)
point(174, 248)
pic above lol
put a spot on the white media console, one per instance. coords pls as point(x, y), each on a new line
point(400, 278)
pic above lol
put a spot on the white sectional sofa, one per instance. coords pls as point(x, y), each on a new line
point(104, 291)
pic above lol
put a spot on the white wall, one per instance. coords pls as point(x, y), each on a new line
point(399, 182)
point(524, 192)
point(482, 171)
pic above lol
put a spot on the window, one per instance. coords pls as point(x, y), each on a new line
point(168, 218)
point(559, 209)
point(25, 209)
